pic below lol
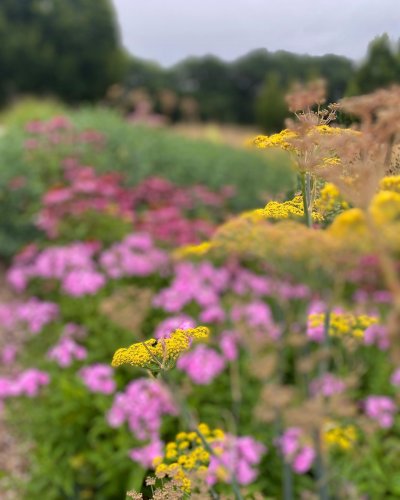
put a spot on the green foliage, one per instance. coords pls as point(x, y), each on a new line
point(68, 49)
point(271, 107)
point(30, 108)
point(380, 68)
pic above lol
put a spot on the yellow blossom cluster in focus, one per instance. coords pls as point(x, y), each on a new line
point(156, 354)
point(188, 455)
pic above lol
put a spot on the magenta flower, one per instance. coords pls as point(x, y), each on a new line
point(142, 406)
point(202, 364)
point(239, 457)
point(382, 409)
point(301, 456)
point(145, 455)
point(98, 378)
point(66, 352)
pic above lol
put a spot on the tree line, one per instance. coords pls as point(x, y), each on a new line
point(72, 50)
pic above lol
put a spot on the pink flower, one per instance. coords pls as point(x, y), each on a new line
point(142, 406)
point(202, 364)
point(377, 335)
point(26, 383)
point(228, 345)
point(66, 351)
point(382, 409)
point(327, 385)
point(395, 378)
point(166, 327)
point(238, 458)
point(300, 456)
point(83, 282)
point(145, 455)
point(303, 460)
point(8, 354)
point(98, 378)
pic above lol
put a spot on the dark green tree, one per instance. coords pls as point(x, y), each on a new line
point(380, 68)
point(68, 48)
point(270, 106)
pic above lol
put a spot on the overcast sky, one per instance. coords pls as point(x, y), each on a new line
point(169, 30)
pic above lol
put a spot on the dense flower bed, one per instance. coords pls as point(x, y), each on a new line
point(263, 361)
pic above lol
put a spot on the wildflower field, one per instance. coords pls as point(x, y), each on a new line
point(183, 320)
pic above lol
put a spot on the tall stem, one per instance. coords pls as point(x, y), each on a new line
point(306, 193)
point(320, 466)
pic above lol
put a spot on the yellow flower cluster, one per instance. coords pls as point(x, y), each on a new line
point(342, 324)
point(187, 455)
point(159, 354)
point(288, 209)
point(279, 140)
point(390, 183)
point(193, 250)
point(342, 437)
point(330, 199)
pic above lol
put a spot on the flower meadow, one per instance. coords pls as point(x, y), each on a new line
point(159, 344)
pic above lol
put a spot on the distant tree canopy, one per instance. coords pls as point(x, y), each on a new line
point(380, 68)
point(69, 49)
point(232, 91)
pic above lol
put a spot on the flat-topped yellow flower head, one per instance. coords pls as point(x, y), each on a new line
point(156, 355)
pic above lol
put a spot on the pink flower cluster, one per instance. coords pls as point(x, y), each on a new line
point(32, 315)
point(377, 335)
point(164, 328)
point(257, 315)
point(73, 265)
point(84, 191)
point(26, 383)
point(382, 409)
point(59, 130)
point(66, 352)
point(299, 455)
point(76, 268)
point(239, 457)
point(135, 255)
point(98, 378)
point(202, 284)
point(146, 454)
point(202, 364)
point(142, 406)
point(327, 385)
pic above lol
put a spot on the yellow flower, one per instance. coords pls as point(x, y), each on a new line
point(193, 250)
point(390, 183)
point(275, 141)
point(343, 437)
point(293, 208)
point(187, 455)
point(159, 354)
point(343, 323)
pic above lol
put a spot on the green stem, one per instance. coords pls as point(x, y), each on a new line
point(320, 466)
point(306, 193)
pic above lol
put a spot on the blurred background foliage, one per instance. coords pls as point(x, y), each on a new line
point(72, 51)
